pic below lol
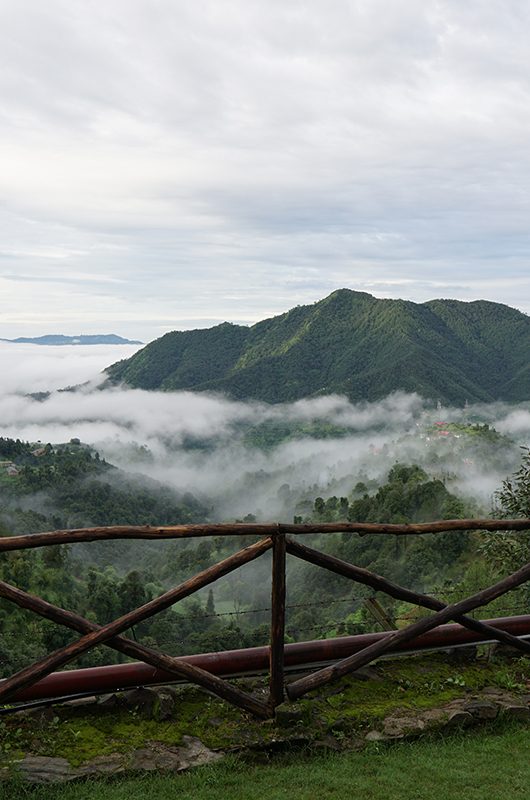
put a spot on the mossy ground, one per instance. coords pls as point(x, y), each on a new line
point(484, 763)
point(81, 733)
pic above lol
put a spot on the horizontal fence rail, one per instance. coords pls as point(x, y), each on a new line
point(253, 529)
point(277, 539)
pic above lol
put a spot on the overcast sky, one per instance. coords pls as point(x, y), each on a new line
point(172, 164)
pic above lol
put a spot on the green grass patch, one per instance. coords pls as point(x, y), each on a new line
point(482, 765)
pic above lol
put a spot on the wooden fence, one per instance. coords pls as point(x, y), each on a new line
point(279, 539)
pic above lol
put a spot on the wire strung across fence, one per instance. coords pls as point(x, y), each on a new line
point(277, 541)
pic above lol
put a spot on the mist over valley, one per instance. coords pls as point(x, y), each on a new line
point(243, 458)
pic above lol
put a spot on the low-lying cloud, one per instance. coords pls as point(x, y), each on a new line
point(41, 368)
point(206, 443)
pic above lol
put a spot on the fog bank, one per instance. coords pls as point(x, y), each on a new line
point(252, 457)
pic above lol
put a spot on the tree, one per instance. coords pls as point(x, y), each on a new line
point(508, 551)
point(210, 604)
point(513, 497)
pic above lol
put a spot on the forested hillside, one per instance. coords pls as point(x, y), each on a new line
point(43, 487)
point(349, 343)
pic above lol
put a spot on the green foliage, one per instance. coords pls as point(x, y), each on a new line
point(349, 343)
point(504, 551)
point(77, 488)
point(102, 581)
point(514, 495)
point(419, 562)
point(407, 496)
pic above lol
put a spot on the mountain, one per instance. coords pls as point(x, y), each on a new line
point(349, 343)
point(104, 338)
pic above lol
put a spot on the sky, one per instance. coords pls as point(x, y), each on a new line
point(169, 165)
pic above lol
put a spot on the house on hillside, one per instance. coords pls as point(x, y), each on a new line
point(9, 468)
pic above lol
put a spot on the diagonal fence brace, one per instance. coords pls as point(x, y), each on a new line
point(101, 635)
point(368, 654)
point(381, 584)
point(179, 668)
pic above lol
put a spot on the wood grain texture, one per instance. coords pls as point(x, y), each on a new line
point(28, 541)
point(277, 646)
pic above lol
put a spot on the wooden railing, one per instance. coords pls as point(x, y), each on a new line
point(276, 538)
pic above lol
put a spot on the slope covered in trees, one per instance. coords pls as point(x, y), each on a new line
point(349, 343)
point(69, 486)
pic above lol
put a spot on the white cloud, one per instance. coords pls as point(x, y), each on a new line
point(39, 368)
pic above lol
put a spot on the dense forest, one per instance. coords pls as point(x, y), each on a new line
point(69, 485)
point(348, 343)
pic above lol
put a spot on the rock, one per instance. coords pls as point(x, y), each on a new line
point(367, 674)
point(328, 742)
point(287, 714)
point(434, 716)
point(41, 716)
point(42, 769)
point(81, 701)
point(103, 765)
point(196, 753)
point(192, 753)
point(166, 704)
point(109, 700)
point(398, 727)
point(156, 703)
point(462, 655)
point(39, 769)
point(459, 718)
point(506, 651)
point(142, 700)
point(342, 725)
point(374, 736)
point(518, 712)
point(482, 709)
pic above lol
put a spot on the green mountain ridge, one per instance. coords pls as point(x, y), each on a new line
point(348, 343)
point(82, 339)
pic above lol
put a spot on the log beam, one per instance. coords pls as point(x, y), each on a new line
point(276, 684)
point(73, 536)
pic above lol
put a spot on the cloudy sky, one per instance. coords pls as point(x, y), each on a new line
point(172, 164)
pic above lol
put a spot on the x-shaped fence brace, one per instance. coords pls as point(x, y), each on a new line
point(277, 540)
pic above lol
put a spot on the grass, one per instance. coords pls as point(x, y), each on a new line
point(490, 763)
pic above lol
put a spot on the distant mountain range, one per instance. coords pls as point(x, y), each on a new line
point(54, 339)
point(349, 343)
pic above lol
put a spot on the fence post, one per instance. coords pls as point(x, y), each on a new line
point(276, 684)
